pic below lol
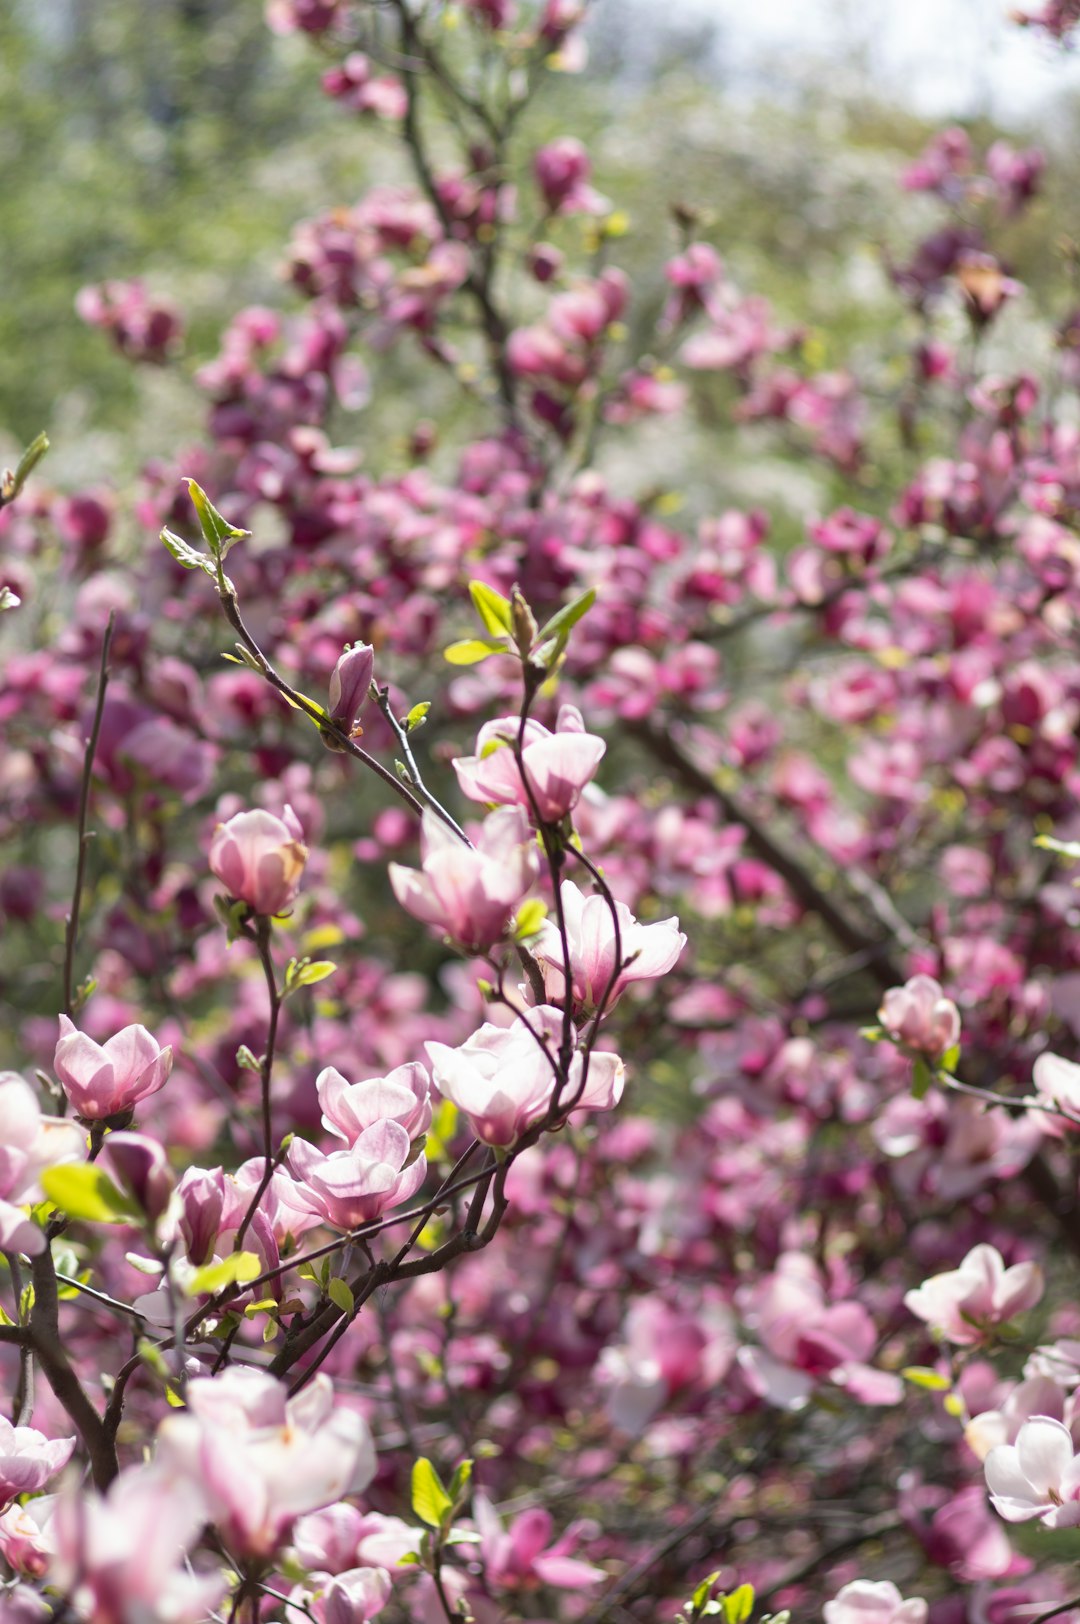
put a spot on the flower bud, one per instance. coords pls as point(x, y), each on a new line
point(349, 684)
point(260, 859)
point(919, 1016)
point(141, 1170)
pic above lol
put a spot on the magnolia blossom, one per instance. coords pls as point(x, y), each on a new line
point(260, 859)
point(469, 893)
point(646, 951)
point(350, 681)
point(121, 1556)
point(263, 1459)
point(401, 1096)
point(1057, 1082)
point(105, 1079)
point(351, 1187)
point(557, 765)
point(29, 1142)
point(868, 1602)
point(524, 1553)
point(965, 1303)
point(27, 1538)
point(1037, 1476)
point(351, 1597)
point(28, 1459)
point(919, 1016)
point(504, 1083)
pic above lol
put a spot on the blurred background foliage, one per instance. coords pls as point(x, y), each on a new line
point(179, 141)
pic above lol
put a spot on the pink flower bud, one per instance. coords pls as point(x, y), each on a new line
point(349, 684)
point(104, 1079)
point(260, 859)
point(142, 1171)
point(467, 892)
point(919, 1016)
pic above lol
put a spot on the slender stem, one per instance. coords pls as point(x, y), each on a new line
point(45, 1336)
point(266, 1067)
point(71, 923)
point(22, 1406)
point(382, 699)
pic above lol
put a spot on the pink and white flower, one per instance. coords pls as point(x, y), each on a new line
point(645, 951)
point(105, 1079)
point(866, 1601)
point(349, 1109)
point(1037, 1476)
point(469, 893)
point(351, 1187)
point(260, 859)
point(28, 1459)
point(504, 1083)
point(557, 765)
point(964, 1304)
point(29, 1143)
point(919, 1016)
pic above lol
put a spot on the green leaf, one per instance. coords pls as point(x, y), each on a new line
point(530, 916)
point(701, 1594)
point(246, 1060)
point(314, 970)
point(922, 1376)
point(417, 716)
point(340, 1295)
point(237, 1268)
point(471, 650)
point(460, 1481)
point(430, 1500)
point(89, 1193)
point(30, 459)
point(921, 1078)
point(493, 609)
point(950, 1059)
point(568, 616)
point(738, 1605)
point(186, 556)
point(219, 534)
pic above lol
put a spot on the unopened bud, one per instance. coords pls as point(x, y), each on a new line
point(350, 683)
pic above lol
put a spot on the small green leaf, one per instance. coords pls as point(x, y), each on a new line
point(417, 716)
point(921, 1078)
point(950, 1059)
point(409, 1560)
point(738, 1605)
point(430, 1500)
point(568, 616)
point(237, 1268)
point(315, 970)
point(493, 609)
point(186, 555)
point(701, 1594)
point(922, 1376)
point(340, 1295)
point(530, 916)
point(246, 1060)
point(471, 650)
point(87, 1192)
point(30, 459)
point(265, 1305)
point(218, 533)
point(460, 1481)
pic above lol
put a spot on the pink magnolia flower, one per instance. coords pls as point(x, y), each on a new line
point(351, 1597)
point(351, 1187)
point(868, 1602)
point(104, 1079)
point(646, 951)
point(919, 1016)
point(28, 1459)
point(27, 1539)
point(260, 859)
point(557, 765)
point(350, 681)
point(29, 1142)
point(469, 893)
point(401, 1096)
point(1037, 1476)
point(503, 1082)
point(523, 1554)
point(262, 1459)
point(965, 1303)
point(1057, 1081)
point(562, 171)
point(141, 1168)
point(121, 1556)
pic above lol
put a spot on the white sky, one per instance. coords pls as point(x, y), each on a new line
point(943, 57)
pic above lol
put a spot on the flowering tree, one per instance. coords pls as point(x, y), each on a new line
point(665, 1196)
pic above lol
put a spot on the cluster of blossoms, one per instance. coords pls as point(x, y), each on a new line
point(756, 1241)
